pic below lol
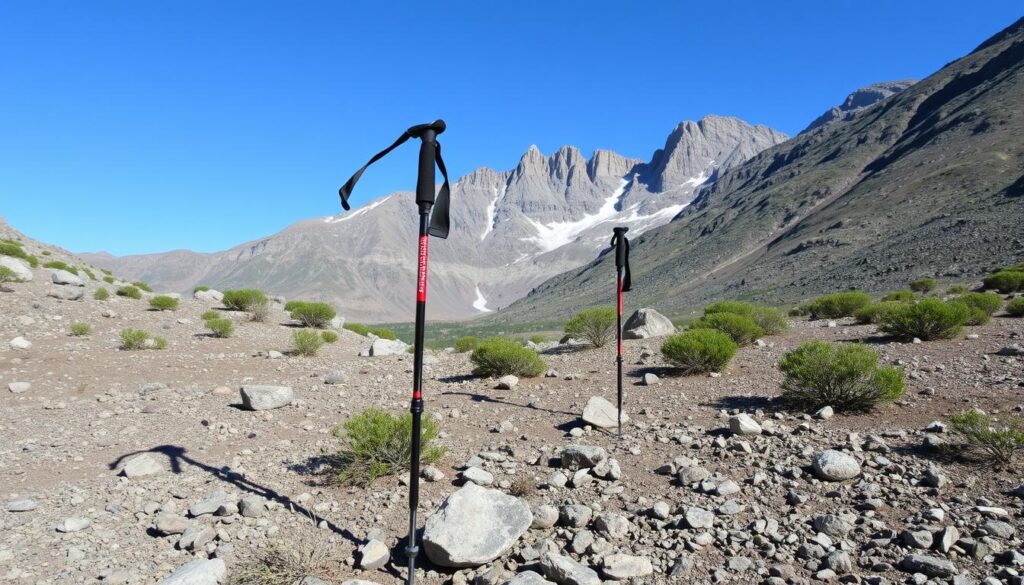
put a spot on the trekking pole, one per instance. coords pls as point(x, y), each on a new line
point(621, 245)
point(430, 224)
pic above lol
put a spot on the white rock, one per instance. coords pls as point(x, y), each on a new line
point(142, 465)
point(474, 526)
point(20, 269)
point(832, 465)
point(67, 293)
point(22, 505)
point(198, 572)
point(622, 566)
point(824, 413)
point(65, 277)
point(507, 382)
point(19, 387)
point(381, 347)
point(211, 296)
point(566, 571)
point(645, 323)
point(266, 397)
point(373, 555)
point(478, 476)
point(20, 343)
point(602, 414)
point(743, 424)
point(74, 524)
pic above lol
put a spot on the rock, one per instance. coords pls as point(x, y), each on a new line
point(651, 379)
point(478, 476)
point(382, 347)
point(337, 323)
point(575, 457)
point(646, 323)
point(947, 537)
point(528, 578)
point(661, 510)
point(601, 413)
point(832, 525)
point(916, 539)
point(210, 503)
point(373, 555)
point(252, 507)
point(1013, 349)
point(507, 382)
point(65, 277)
point(544, 517)
point(196, 537)
point(622, 566)
point(67, 293)
point(168, 524)
point(335, 377)
point(19, 387)
point(832, 465)
point(198, 572)
point(575, 515)
point(699, 518)
point(565, 571)
point(20, 343)
point(210, 296)
point(74, 524)
point(266, 397)
point(22, 505)
point(348, 582)
point(611, 525)
point(142, 465)
point(20, 269)
point(824, 413)
point(743, 424)
point(691, 475)
point(474, 526)
point(927, 565)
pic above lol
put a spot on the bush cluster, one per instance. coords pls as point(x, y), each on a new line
point(58, 265)
point(244, 299)
point(595, 325)
point(381, 332)
point(1007, 280)
point(8, 275)
point(980, 306)
point(873, 313)
point(498, 356)
point(163, 303)
point(923, 285)
point(101, 294)
point(376, 443)
point(699, 351)
point(846, 377)
point(1015, 308)
point(899, 295)
point(466, 343)
point(306, 342)
point(742, 330)
point(987, 438)
point(927, 320)
point(133, 339)
point(142, 285)
point(311, 314)
point(220, 327)
point(108, 279)
point(9, 248)
point(200, 288)
point(769, 319)
point(129, 291)
point(838, 305)
point(956, 289)
point(329, 336)
point(80, 329)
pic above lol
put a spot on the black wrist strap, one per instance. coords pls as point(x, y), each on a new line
point(623, 241)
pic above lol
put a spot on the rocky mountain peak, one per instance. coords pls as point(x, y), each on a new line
point(858, 100)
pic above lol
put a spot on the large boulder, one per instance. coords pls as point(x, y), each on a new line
point(474, 526)
point(67, 293)
point(602, 414)
point(198, 572)
point(67, 278)
point(210, 296)
point(260, 397)
point(19, 268)
point(645, 323)
point(381, 347)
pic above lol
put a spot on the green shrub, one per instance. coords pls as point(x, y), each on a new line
point(800, 311)
point(101, 294)
point(211, 314)
point(291, 305)
point(926, 320)
point(873, 313)
point(987, 302)
point(498, 356)
point(846, 377)
point(45, 252)
point(221, 327)
point(8, 275)
point(1005, 281)
point(466, 343)
point(132, 339)
point(329, 336)
point(376, 443)
point(538, 339)
point(699, 351)
point(956, 289)
point(312, 314)
point(80, 329)
point(383, 333)
point(742, 330)
point(357, 328)
point(770, 320)
point(108, 279)
point(899, 295)
point(306, 342)
point(923, 285)
point(243, 299)
point(89, 273)
point(595, 325)
point(12, 249)
point(200, 288)
point(987, 438)
point(58, 265)
point(838, 305)
point(163, 303)
point(1018, 267)
point(142, 285)
point(734, 307)
point(107, 272)
point(1015, 308)
point(159, 343)
point(129, 291)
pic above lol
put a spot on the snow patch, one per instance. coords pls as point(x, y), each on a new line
point(557, 234)
point(492, 208)
point(361, 211)
point(480, 304)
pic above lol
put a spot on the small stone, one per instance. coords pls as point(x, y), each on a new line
point(824, 413)
point(544, 517)
point(661, 511)
point(252, 507)
point(74, 525)
point(622, 566)
point(198, 572)
point(743, 424)
point(20, 343)
point(565, 571)
point(19, 387)
point(167, 524)
point(651, 379)
point(507, 382)
point(478, 476)
point(576, 457)
point(266, 397)
point(335, 377)
point(22, 505)
point(142, 465)
point(831, 465)
point(928, 565)
point(602, 414)
point(699, 518)
point(575, 515)
point(373, 555)
point(432, 474)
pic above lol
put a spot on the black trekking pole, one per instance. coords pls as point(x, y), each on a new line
point(621, 245)
point(435, 224)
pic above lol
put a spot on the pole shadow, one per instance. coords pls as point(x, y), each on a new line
point(484, 398)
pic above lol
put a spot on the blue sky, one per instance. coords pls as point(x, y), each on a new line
point(139, 127)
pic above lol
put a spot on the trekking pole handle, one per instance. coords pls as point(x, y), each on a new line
point(620, 249)
point(425, 176)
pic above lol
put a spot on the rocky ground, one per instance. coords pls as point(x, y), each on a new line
point(124, 466)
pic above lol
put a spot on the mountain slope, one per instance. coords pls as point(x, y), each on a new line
point(858, 100)
point(925, 182)
point(511, 230)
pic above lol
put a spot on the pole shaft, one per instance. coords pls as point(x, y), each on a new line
point(416, 407)
point(618, 335)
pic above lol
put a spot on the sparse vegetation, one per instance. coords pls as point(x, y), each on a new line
point(108, 279)
point(244, 299)
point(312, 314)
point(956, 289)
point(80, 329)
point(538, 339)
point(923, 285)
point(1015, 308)
point(383, 333)
point(498, 356)
point(89, 273)
point(329, 336)
point(129, 291)
point(742, 330)
point(699, 351)
point(163, 303)
point(142, 285)
point(987, 438)
point(200, 288)
point(845, 376)
point(259, 311)
point(466, 343)
point(1005, 281)
point(221, 327)
point(899, 295)
point(376, 443)
point(838, 305)
point(769, 319)
point(306, 342)
point(595, 325)
point(357, 328)
point(288, 560)
point(14, 249)
point(134, 339)
point(211, 314)
point(927, 320)
point(58, 265)
point(7, 275)
point(873, 313)
point(101, 294)
point(980, 306)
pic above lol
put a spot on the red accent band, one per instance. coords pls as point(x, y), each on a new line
point(421, 281)
point(417, 395)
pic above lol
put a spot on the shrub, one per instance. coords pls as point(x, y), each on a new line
point(244, 299)
point(466, 343)
point(58, 265)
point(1015, 308)
point(329, 336)
point(498, 356)
point(1005, 281)
point(80, 329)
point(800, 311)
point(956, 289)
point(32, 261)
point(1018, 267)
point(163, 303)
point(734, 307)
point(306, 342)
point(12, 249)
point(770, 320)
point(926, 320)
point(987, 302)
point(259, 311)
point(699, 351)
point(45, 252)
point(312, 314)
point(211, 314)
point(383, 333)
point(987, 438)
point(376, 443)
point(200, 288)
point(538, 339)
point(300, 556)
point(142, 285)
point(221, 328)
point(899, 295)
point(291, 305)
point(101, 294)
point(742, 330)
point(838, 305)
point(130, 292)
point(132, 339)
point(923, 285)
point(846, 377)
point(89, 273)
point(595, 325)
point(105, 271)
point(8, 275)
point(873, 313)
point(358, 328)
point(108, 279)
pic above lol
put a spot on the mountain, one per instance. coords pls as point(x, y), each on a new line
point(859, 100)
point(928, 181)
point(511, 230)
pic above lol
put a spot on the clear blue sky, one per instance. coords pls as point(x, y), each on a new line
point(145, 126)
